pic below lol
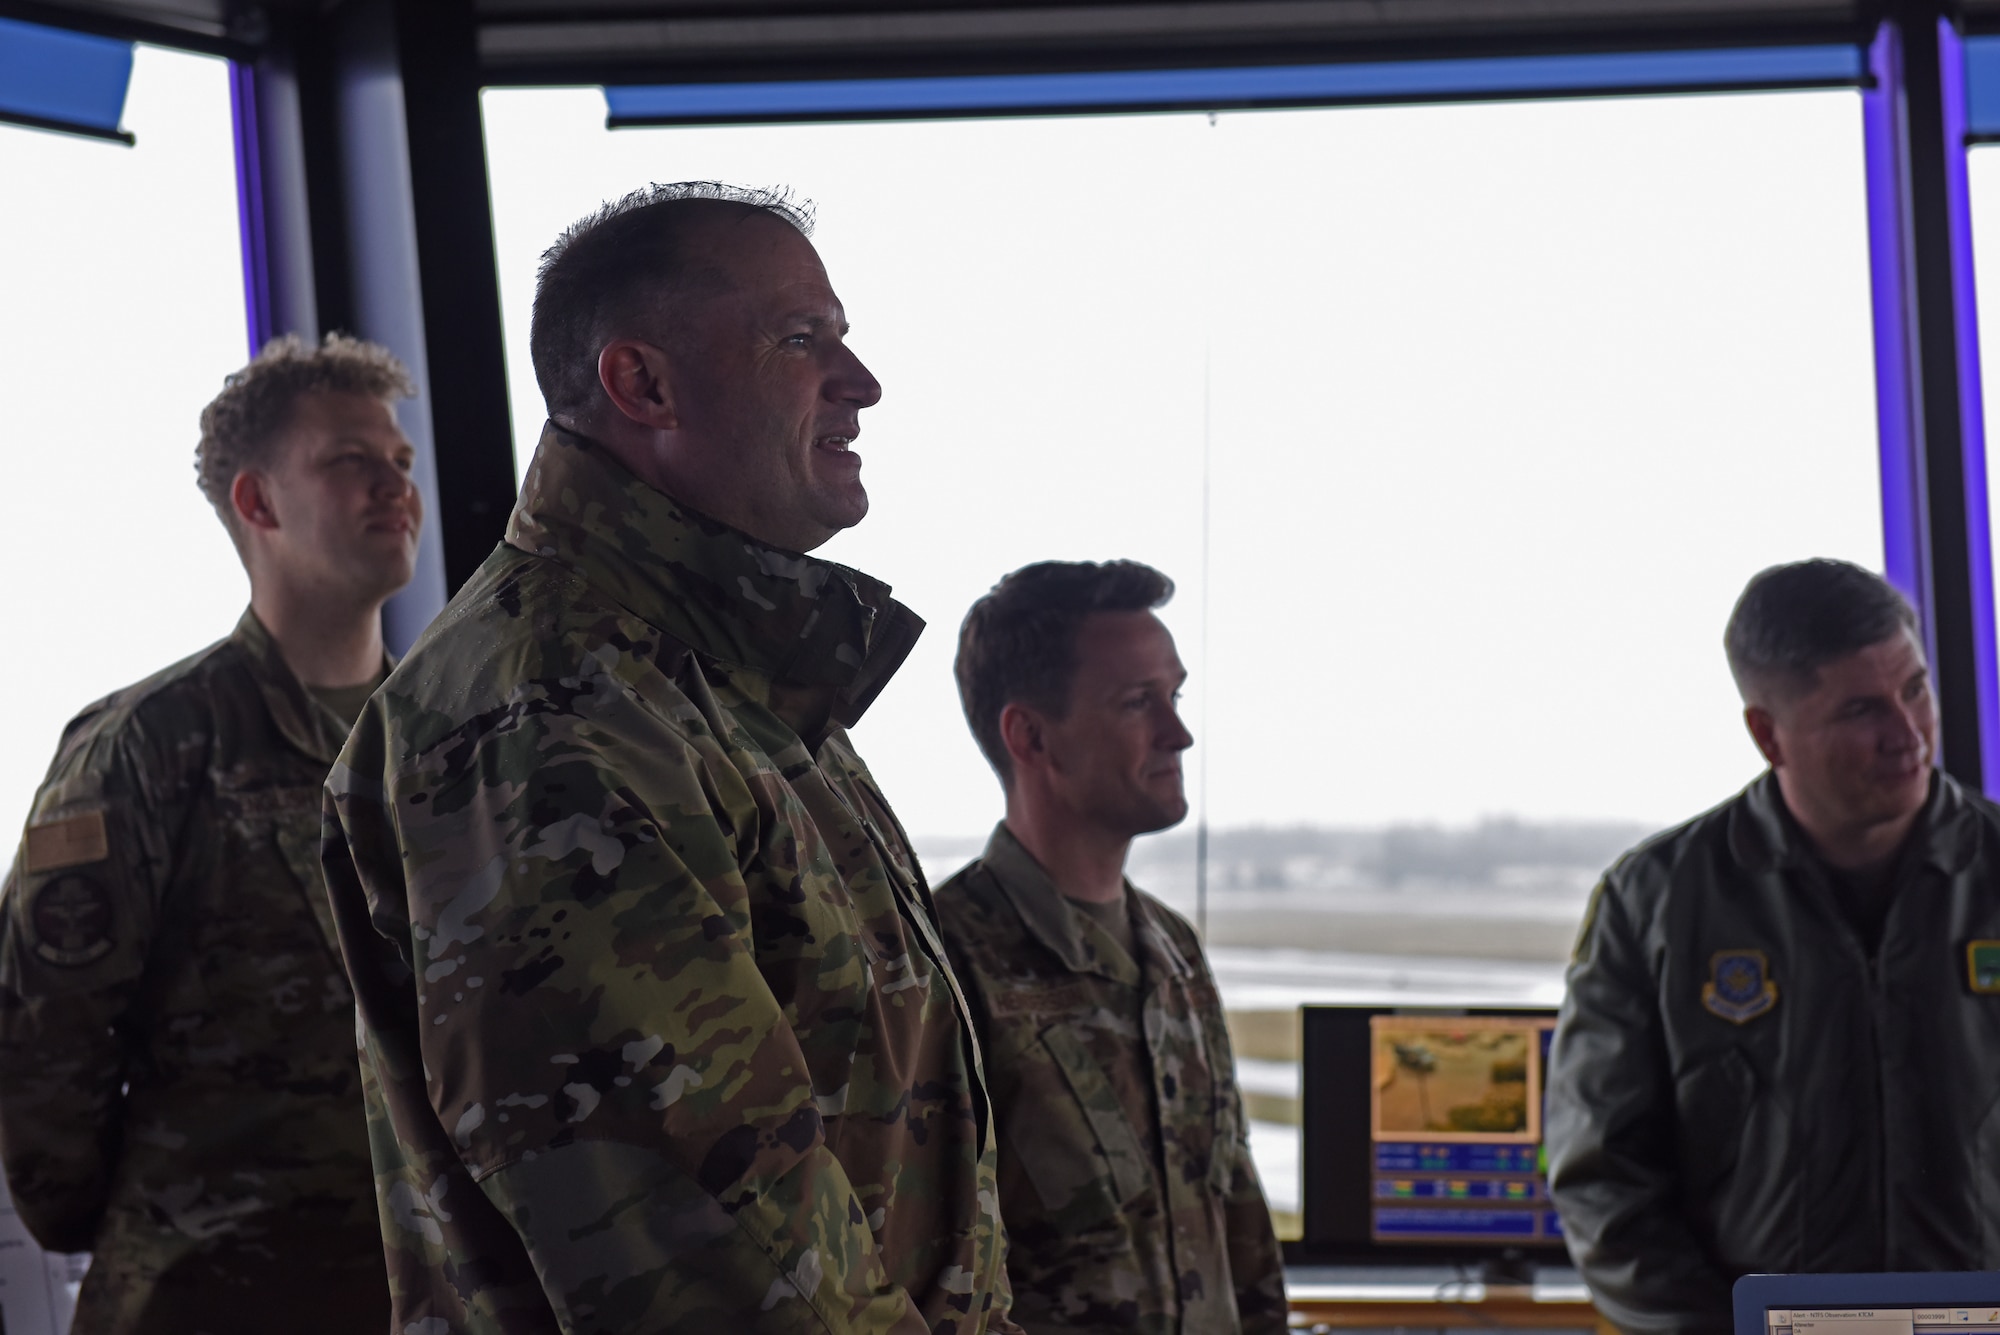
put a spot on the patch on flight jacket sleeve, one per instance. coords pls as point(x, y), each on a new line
point(72, 841)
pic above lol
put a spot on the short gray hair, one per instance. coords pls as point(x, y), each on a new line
point(610, 269)
point(1793, 620)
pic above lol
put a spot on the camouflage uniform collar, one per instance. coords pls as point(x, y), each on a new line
point(302, 720)
point(1067, 933)
point(1764, 836)
point(724, 594)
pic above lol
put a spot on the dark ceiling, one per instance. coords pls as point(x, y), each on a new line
point(831, 35)
point(591, 41)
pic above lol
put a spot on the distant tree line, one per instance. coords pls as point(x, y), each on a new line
point(1275, 856)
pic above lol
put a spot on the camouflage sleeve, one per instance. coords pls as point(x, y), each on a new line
point(1256, 1262)
point(596, 1046)
point(76, 920)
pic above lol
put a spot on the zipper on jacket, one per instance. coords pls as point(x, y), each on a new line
point(1871, 970)
point(1876, 1146)
point(1878, 1151)
point(916, 916)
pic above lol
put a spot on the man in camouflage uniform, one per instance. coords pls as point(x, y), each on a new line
point(658, 1031)
point(1125, 1177)
point(178, 1087)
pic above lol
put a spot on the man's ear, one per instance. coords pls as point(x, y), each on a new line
point(1021, 733)
point(250, 497)
point(635, 378)
point(1764, 731)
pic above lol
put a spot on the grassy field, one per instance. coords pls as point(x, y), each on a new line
point(1320, 927)
point(1273, 1036)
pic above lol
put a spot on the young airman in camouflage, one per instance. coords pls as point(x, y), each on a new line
point(178, 1088)
point(657, 1028)
point(1125, 1176)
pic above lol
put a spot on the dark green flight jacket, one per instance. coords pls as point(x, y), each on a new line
point(1738, 1086)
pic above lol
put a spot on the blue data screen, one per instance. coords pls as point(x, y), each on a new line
point(1511, 1190)
point(1409, 1157)
point(1392, 1223)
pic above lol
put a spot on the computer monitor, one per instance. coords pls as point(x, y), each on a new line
point(1422, 1136)
point(1920, 1304)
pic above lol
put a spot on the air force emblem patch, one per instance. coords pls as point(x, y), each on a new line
point(1739, 987)
point(72, 917)
point(1982, 967)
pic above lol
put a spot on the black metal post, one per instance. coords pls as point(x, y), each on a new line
point(438, 45)
point(372, 158)
point(1935, 292)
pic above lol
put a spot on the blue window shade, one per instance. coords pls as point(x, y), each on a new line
point(1279, 85)
point(1982, 88)
point(57, 80)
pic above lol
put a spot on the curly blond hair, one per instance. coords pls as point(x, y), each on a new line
point(240, 427)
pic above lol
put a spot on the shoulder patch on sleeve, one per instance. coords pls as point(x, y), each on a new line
point(1581, 950)
point(72, 922)
point(73, 841)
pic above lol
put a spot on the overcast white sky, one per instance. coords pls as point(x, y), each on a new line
point(121, 309)
point(1505, 404)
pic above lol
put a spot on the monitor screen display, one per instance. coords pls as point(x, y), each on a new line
point(1883, 1304)
point(1423, 1131)
point(1876, 1320)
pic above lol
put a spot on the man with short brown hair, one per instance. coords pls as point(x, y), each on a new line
point(178, 1086)
point(1776, 1050)
point(1131, 1201)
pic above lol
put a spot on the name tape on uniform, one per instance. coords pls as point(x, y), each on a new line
point(1039, 999)
point(73, 841)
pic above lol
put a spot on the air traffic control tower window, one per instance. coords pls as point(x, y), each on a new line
point(1980, 131)
point(1459, 428)
point(123, 311)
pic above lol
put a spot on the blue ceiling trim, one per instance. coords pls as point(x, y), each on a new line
point(1384, 81)
point(1982, 87)
point(57, 80)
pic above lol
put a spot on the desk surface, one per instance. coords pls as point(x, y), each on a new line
point(1414, 1298)
point(1428, 1284)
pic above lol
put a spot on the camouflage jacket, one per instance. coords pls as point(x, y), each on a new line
point(178, 1088)
point(1125, 1176)
point(658, 1033)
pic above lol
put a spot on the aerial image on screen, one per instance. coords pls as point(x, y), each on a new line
point(1457, 1129)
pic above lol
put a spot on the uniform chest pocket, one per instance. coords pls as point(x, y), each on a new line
point(298, 844)
point(1085, 1160)
point(1215, 1082)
